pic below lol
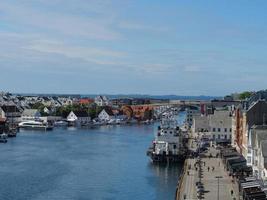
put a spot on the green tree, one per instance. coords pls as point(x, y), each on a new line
point(245, 95)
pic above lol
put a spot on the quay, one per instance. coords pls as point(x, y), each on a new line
point(205, 177)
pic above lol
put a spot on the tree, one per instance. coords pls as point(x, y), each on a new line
point(245, 95)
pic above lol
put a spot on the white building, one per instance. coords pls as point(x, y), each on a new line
point(257, 151)
point(200, 123)
point(30, 114)
point(106, 115)
point(79, 117)
point(218, 125)
point(101, 101)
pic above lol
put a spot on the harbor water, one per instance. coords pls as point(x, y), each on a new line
point(109, 162)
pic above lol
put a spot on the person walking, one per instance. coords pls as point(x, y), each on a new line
point(208, 169)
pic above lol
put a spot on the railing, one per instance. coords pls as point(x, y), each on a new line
point(180, 182)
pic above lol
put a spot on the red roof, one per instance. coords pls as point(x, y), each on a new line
point(86, 101)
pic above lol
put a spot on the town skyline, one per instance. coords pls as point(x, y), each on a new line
point(152, 47)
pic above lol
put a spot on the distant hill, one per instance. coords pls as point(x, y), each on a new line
point(113, 96)
point(171, 97)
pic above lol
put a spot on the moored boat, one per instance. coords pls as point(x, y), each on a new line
point(169, 144)
point(61, 123)
point(35, 125)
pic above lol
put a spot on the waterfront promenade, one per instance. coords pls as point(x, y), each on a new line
point(206, 174)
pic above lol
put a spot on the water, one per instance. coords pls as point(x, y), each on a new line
point(105, 163)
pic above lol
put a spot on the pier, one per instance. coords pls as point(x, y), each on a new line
point(205, 177)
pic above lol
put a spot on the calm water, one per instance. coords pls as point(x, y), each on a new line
point(105, 163)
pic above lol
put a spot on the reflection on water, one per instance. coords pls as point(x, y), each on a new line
point(165, 178)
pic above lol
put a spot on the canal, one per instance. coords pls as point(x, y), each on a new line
point(67, 163)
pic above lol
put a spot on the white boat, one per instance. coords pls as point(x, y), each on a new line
point(35, 125)
point(169, 144)
point(61, 123)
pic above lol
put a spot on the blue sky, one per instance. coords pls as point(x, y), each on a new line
point(133, 46)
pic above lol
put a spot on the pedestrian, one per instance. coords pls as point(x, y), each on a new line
point(232, 192)
point(204, 163)
point(208, 169)
point(187, 173)
point(213, 168)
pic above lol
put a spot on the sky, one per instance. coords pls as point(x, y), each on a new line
point(181, 47)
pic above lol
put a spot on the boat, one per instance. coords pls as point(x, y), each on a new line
point(61, 123)
point(35, 125)
point(3, 138)
point(169, 144)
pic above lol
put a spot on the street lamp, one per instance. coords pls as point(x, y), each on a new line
point(218, 178)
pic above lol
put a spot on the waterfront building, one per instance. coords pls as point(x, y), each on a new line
point(218, 126)
point(11, 112)
point(106, 114)
point(257, 151)
point(142, 112)
point(244, 119)
point(79, 118)
point(127, 111)
point(30, 114)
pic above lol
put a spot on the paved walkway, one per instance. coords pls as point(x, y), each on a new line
point(210, 183)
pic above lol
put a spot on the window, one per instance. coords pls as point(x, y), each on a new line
point(213, 137)
point(225, 136)
point(219, 137)
point(230, 130)
point(214, 129)
point(249, 159)
point(225, 130)
point(219, 130)
point(174, 146)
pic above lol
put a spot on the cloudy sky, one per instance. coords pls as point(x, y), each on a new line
point(181, 47)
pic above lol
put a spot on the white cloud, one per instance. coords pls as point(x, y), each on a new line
point(97, 56)
point(56, 23)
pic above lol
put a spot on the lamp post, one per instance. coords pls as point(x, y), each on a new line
point(218, 178)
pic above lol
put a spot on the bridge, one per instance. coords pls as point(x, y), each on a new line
point(177, 105)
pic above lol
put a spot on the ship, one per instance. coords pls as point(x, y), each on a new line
point(35, 125)
point(170, 142)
